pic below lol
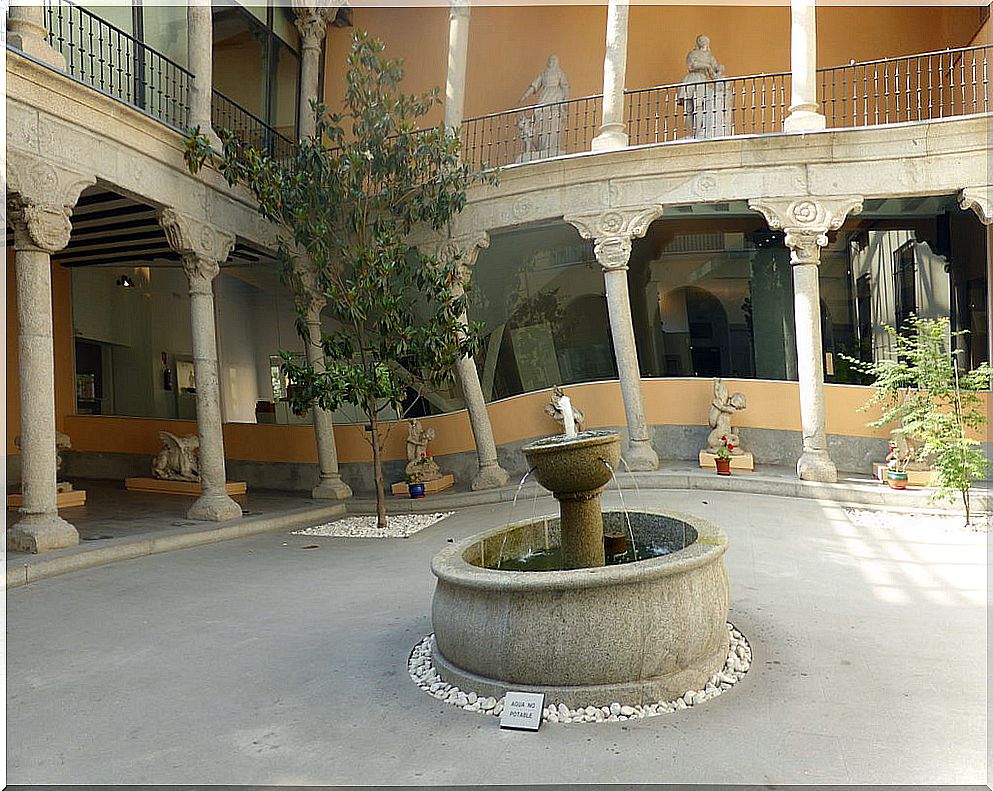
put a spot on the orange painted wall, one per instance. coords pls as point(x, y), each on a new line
point(771, 405)
point(508, 45)
point(65, 392)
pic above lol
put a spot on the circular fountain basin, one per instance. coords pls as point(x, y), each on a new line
point(633, 632)
point(567, 465)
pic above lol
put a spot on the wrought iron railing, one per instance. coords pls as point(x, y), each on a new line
point(116, 63)
point(930, 85)
point(528, 134)
point(249, 129)
point(752, 105)
point(920, 87)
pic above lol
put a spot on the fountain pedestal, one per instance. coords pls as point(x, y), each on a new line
point(575, 469)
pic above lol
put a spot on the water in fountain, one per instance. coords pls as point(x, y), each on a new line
point(634, 480)
point(624, 510)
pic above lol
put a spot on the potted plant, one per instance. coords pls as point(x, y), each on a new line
point(723, 460)
point(415, 486)
point(896, 468)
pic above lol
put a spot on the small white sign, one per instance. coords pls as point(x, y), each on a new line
point(522, 711)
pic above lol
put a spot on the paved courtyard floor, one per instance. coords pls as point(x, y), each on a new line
point(259, 661)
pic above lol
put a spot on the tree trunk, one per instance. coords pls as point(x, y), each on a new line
point(377, 467)
point(965, 502)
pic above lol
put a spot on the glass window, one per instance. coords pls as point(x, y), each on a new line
point(539, 292)
point(712, 296)
point(164, 29)
point(240, 46)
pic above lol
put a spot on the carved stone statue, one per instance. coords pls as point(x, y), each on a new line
point(62, 442)
point(179, 458)
point(420, 466)
point(703, 95)
point(554, 411)
point(907, 450)
point(541, 130)
point(722, 409)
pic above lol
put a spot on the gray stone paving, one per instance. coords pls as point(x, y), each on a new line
point(259, 661)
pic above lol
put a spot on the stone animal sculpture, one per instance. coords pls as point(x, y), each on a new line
point(179, 458)
point(554, 411)
point(722, 408)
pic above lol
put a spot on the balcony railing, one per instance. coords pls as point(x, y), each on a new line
point(913, 88)
point(116, 63)
point(922, 87)
point(249, 129)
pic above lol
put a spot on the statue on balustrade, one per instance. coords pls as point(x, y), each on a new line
point(179, 458)
point(541, 130)
point(704, 96)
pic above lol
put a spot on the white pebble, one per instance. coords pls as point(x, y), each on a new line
point(615, 708)
point(627, 711)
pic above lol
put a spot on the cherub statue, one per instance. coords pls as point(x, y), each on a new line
point(420, 465)
point(179, 458)
point(554, 411)
point(722, 408)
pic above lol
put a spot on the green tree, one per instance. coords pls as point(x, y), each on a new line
point(924, 392)
point(348, 200)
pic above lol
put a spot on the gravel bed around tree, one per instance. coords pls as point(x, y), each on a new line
point(867, 517)
point(397, 526)
point(423, 673)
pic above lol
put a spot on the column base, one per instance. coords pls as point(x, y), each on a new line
point(610, 139)
point(640, 456)
point(804, 121)
point(214, 508)
point(816, 465)
point(331, 488)
point(36, 533)
point(38, 49)
point(492, 476)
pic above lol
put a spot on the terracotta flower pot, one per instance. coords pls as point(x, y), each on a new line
point(723, 466)
point(896, 479)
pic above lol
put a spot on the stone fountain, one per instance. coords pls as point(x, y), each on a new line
point(538, 606)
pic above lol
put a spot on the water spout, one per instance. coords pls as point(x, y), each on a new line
point(627, 517)
point(568, 416)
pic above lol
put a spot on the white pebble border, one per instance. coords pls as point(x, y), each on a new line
point(423, 674)
point(867, 517)
point(397, 526)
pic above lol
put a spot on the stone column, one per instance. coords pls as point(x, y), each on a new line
point(330, 486)
point(806, 222)
point(458, 53)
point(490, 475)
point(613, 132)
point(202, 248)
point(312, 19)
point(200, 39)
point(26, 32)
point(804, 115)
point(40, 229)
point(613, 231)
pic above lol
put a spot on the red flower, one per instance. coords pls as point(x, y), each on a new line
point(730, 447)
point(724, 439)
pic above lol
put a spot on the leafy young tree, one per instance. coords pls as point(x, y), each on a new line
point(923, 391)
point(349, 199)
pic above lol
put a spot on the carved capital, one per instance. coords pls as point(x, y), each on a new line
point(308, 295)
point(312, 18)
point(613, 231)
point(38, 226)
point(980, 200)
point(201, 246)
point(458, 9)
point(463, 247)
point(806, 221)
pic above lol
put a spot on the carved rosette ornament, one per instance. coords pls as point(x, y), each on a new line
point(38, 226)
point(806, 221)
point(201, 246)
point(613, 231)
point(980, 200)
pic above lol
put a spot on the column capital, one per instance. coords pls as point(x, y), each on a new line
point(43, 227)
point(980, 200)
point(613, 230)
point(312, 18)
point(458, 9)
point(465, 246)
point(307, 293)
point(806, 221)
point(201, 246)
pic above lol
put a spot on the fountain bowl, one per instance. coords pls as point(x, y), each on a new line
point(570, 465)
point(634, 633)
